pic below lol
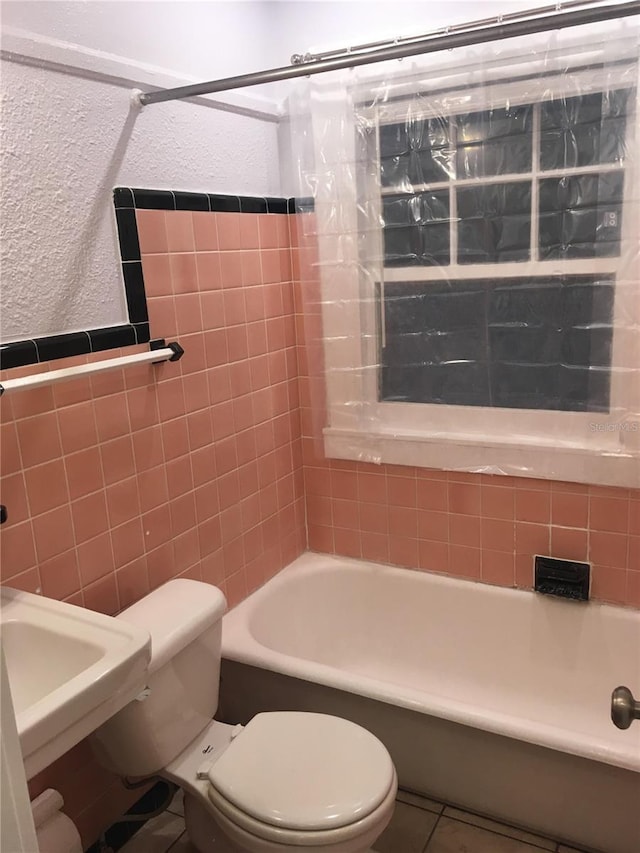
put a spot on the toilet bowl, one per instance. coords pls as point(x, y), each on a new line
point(287, 781)
point(268, 786)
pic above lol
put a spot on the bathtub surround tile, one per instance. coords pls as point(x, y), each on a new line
point(409, 830)
point(499, 828)
point(609, 514)
point(569, 509)
point(533, 505)
point(609, 549)
point(519, 516)
point(474, 526)
point(611, 585)
point(498, 502)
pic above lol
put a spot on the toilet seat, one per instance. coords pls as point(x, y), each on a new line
point(246, 830)
point(301, 773)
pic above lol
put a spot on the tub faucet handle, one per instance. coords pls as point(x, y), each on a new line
point(624, 708)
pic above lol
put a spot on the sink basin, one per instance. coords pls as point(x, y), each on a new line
point(70, 669)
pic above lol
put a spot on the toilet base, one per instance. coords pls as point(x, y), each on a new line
point(208, 837)
point(205, 835)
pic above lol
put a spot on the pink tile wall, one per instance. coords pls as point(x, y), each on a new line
point(486, 528)
point(117, 483)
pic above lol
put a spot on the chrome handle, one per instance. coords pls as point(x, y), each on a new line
point(624, 708)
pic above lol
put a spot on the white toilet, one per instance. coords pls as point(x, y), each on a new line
point(287, 781)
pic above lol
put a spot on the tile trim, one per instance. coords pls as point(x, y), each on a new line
point(41, 350)
point(126, 201)
point(140, 198)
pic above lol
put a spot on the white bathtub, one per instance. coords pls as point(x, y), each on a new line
point(490, 698)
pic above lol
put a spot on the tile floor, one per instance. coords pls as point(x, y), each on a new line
point(419, 825)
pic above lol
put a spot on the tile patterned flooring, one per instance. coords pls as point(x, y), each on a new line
point(419, 825)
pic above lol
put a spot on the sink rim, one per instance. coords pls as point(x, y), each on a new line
point(111, 681)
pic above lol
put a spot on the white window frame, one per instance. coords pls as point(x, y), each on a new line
point(575, 446)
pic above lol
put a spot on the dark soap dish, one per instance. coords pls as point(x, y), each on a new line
point(564, 578)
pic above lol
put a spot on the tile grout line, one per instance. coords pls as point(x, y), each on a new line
point(177, 840)
point(433, 832)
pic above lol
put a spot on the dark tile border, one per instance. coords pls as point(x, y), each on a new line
point(38, 350)
point(126, 201)
point(133, 198)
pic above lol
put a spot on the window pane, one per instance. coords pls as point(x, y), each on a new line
point(581, 216)
point(494, 223)
point(516, 343)
point(584, 130)
point(435, 347)
point(416, 229)
point(494, 142)
point(414, 152)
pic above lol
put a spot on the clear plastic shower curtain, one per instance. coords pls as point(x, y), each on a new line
point(471, 299)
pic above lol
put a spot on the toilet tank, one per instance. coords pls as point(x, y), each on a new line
point(184, 618)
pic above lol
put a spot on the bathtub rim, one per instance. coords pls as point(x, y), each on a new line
point(239, 644)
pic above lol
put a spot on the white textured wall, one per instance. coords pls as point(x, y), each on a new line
point(319, 25)
point(201, 38)
point(68, 140)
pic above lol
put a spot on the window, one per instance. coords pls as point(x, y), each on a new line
point(530, 343)
point(478, 243)
point(481, 194)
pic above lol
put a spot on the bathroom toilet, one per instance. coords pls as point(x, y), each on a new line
point(287, 781)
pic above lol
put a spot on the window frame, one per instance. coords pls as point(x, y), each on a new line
point(584, 447)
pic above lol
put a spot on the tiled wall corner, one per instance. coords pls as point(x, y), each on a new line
point(485, 528)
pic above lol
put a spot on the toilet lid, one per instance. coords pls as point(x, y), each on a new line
point(304, 771)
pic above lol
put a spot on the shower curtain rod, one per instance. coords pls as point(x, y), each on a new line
point(467, 26)
point(476, 33)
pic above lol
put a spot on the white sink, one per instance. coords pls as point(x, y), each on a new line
point(70, 669)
